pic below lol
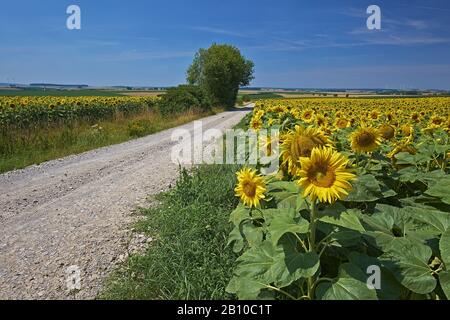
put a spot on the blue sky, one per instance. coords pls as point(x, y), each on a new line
point(294, 43)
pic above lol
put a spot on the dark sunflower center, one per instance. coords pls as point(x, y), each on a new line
point(387, 132)
point(249, 189)
point(322, 176)
point(302, 147)
point(366, 139)
point(342, 123)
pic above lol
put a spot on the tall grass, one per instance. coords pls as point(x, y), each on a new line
point(189, 259)
point(22, 147)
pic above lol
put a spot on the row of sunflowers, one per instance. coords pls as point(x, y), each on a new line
point(359, 209)
point(26, 112)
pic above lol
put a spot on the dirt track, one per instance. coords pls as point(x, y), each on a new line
point(78, 211)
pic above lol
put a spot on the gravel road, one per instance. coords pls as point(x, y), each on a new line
point(78, 211)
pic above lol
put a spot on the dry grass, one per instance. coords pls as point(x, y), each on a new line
point(22, 148)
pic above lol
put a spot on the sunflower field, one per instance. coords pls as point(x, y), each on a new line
point(37, 129)
point(359, 209)
point(27, 112)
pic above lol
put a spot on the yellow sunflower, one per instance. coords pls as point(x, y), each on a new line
point(307, 116)
point(256, 123)
point(365, 139)
point(324, 175)
point(407, 129)
point(374, 115)
point(250, 187)
point(268, 144)
point(320, 120)
point(341, 123)
point(299, 143)
point(386, 131)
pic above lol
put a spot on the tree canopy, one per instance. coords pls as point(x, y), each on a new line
point(220, 71)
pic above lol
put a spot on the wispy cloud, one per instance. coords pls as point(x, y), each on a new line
point(220, 31)
point(287, 45)
point(135, 55)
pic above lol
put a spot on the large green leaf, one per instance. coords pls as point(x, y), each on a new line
point(240, 214)
point(286, 194)
point(293, 265)
point(254, 235)
point(408, 262)
point(245, 288)
point(365, 189)
point(441, 190)
point(246, 231)
point(412, 174)
point(287, 186)
point(419, 158)
point(281, 265)
point(351, 284)
point(444, 246)
point(236, 239)
point(338, 215)
point(256, 263)
point(438, 220)
point(390, 288)
point(286, 221)
point(444, 280)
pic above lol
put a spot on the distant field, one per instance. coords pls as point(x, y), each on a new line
point(141, 93)
point(58, 93)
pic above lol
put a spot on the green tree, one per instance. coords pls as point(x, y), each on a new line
point(220, 71)
point(183, 98)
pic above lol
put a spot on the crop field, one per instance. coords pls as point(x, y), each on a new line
point(36, 129)
point(360, 208)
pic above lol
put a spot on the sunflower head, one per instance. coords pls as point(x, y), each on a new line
point(324, 175)
point(268, 144)
point(407, 129)
point(250, 187)
point(374, 115)
point(415, 116)
point(341, 123)
point(299, 143)
point(320, 120)
point(307, 116)
point(387, 131)
point(365, 139)
point(256, 123)
point(437, 121)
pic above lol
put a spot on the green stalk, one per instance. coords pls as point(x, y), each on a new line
point(312, 244)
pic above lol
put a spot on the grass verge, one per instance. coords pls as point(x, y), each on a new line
point(190, 258)
point(23, 148)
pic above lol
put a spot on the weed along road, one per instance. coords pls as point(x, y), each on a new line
point(72, 216)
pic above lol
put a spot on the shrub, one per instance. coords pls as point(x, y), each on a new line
point(184, 98)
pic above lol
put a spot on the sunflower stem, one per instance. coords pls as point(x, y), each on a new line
point(312, 244)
